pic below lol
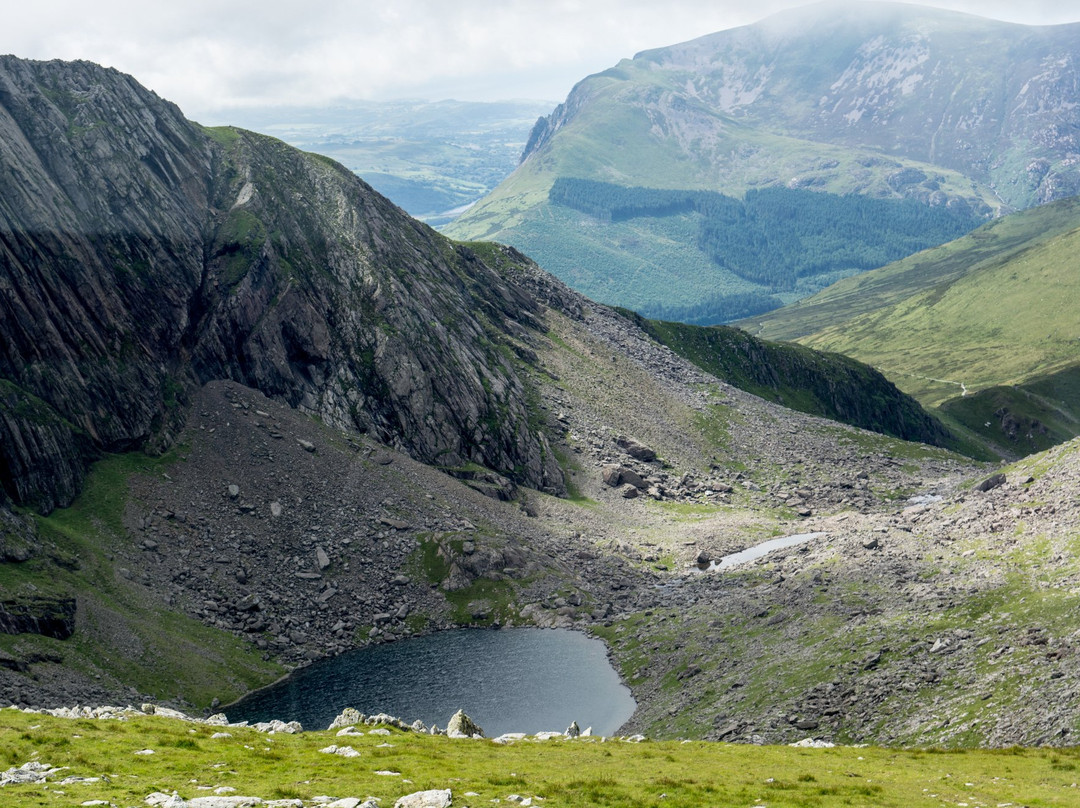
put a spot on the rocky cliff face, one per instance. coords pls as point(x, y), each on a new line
point(143, 255)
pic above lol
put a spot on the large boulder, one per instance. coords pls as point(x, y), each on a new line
point(436, 798)
point(461, 726)
point(349, 717)
point(636, 449)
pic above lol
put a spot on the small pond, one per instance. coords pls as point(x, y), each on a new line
point(511, 680)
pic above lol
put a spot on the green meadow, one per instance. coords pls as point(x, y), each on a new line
point(188, 760)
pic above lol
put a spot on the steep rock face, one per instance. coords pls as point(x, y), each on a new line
point(50, 617)
point(142, 254)
point(100, 197)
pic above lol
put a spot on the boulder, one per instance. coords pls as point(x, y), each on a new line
point(461, 726)
point(635, 449)
point(990, 483)
point(437, 798)
point(612, 475)
point(631, 477)
point(342, 751)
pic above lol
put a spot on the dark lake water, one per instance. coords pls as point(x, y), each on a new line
point(512, 680)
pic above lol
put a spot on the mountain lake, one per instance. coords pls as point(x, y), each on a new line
point(510, 680)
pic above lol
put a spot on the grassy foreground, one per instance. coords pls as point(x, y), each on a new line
point(582, 772)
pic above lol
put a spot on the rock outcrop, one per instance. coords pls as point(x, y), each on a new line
point(461, 726)
point(49, 617)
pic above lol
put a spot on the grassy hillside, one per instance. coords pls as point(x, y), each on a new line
point(825, 384)
point(649, 263)
point(1024, 418)
point(995, 244)
point(198, 760)
point(990, 316)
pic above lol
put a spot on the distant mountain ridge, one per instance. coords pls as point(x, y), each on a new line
point(878, 99)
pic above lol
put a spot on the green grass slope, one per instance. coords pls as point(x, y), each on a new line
point(197, 760)
point(648, 262)
point(825, 384)
point(991, 316)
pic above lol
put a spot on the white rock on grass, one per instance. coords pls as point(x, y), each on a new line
point(461, 726)
point(437, 798)
point(343, 751)
point(810, 743)
point(271, 727)
point(350, 716)
point(32, 772)
point(75, 780)
point(162, 800)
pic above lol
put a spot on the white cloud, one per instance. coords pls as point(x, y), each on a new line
point(211, 54)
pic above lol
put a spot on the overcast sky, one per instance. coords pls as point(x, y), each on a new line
point(207, 55)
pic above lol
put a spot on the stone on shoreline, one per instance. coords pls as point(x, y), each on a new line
point(461, 726)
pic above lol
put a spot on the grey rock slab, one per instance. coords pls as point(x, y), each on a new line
point(436, 798)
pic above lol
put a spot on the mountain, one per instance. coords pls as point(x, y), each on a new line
point(880, 100)
point(432, 158)
point(255, 415)
point(144, 255)
point(981, 328)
